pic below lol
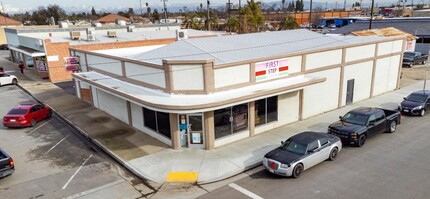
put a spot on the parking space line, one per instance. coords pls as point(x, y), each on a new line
point(9, 92)
point(244, 191)
point(56, 145)
point(76, 172)
point(32, 131)
point(94, 190)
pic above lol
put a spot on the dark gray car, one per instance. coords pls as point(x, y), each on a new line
point(417, 103)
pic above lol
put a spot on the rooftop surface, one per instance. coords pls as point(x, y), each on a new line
point(247, 47)
point(412, 26)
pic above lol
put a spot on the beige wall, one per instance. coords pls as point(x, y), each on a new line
point(362, 75)
point(232, 75)
point(360, 52)
point(188, 77)
point(321, 59)
point(386, 74)
point(145, 74)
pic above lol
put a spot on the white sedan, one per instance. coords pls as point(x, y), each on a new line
point(7, 79)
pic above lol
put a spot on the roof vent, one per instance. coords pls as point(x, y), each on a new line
point(111, 34)
point(91, 34)
point(120, 22)
point(75, 35)
point(131, 28)
point(63, 24)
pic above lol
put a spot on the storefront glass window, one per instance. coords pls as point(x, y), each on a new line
point(272, 109)
point(266, 110)
point(157, 121)
point(149, 119)
point(240, 117)
point(222, 122)
point(230, 120)
point(260, 112)
point(163, 124)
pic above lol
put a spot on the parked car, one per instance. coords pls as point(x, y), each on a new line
point(301, 152)
point(7, 165)
point(411, 58)
point(4, 47)
point(8, 79)
point(359, 124)
point(25, 115)
point(417, 103)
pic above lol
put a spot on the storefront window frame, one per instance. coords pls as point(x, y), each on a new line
point(157, 129)
point(231, 121)
point(265, 114)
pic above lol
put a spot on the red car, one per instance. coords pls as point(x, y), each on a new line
point(26, 115)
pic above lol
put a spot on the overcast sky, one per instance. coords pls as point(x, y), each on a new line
point(13, 6)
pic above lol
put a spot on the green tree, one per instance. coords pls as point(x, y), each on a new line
point(253, 17)
point(155, 15)
point(233, 23)
point(40, 16)
point(288, 23)
point(93, 12)
point(299, 6)
point(56, 11)
point(148, 10)
point(290, 7)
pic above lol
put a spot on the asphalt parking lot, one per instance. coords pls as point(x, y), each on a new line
point(53, 161)
point(387, 166)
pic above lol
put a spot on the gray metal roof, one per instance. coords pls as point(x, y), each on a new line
point(413, 26)
point(236, 48)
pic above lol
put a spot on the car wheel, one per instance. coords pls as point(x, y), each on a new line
point(49, 114)
point(33, 123)
point(393, 127)
point(297, 171)
point(422, 112)
point(14, 81)
point(361, 140)
point(333, 154)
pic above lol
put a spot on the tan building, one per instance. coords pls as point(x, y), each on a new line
point(207, 92)
point(6, 22)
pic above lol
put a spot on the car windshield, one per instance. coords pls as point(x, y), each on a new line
point(294, 147)
point(17, 111)
point(355, 118)
point(409, 55)
point(416, 98)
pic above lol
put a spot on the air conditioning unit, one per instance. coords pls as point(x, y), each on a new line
point(181, 34)
point(131, 28)
point(96, 24)
point(91, 34)
point(75, 35)
point(39, 42)
point(63, 24)
point(120, 22)
point(111, 33)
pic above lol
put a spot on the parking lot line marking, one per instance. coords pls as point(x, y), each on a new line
point(76, 172)
point(56, 144)
point(244, 191)
point(8, 92)
point(35, 129)
point(78, 195)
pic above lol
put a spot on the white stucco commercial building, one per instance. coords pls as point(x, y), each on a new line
point(207, 92)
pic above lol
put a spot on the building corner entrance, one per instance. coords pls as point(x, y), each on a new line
point(191, 131)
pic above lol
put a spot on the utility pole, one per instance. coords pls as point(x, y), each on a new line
point(344, 5)
point(4, 14)
point(165, 11)
point(208, 19)
point(240, 19)
point(427, 70)
point(371, 15)
point(229, 8)
point(141, 13)
point(310, 16)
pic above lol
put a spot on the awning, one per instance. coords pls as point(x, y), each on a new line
point(177, 103)
point(28, 51)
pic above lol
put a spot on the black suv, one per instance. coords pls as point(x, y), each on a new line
point(416, 103)
point(4, 47)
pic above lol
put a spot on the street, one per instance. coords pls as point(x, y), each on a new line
point(387, 166)
point(53, 161)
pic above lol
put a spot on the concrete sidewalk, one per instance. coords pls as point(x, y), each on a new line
point(153, 160)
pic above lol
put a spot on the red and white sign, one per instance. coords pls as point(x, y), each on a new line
point(71, 63)
point(271, 69)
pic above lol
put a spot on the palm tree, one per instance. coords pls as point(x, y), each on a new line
point(253, 16)
point(288, 23)
point(283, 7)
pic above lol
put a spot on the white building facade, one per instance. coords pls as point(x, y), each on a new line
point(207, 92)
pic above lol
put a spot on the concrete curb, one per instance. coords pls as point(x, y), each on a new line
point(234, 173)
point(94, 141)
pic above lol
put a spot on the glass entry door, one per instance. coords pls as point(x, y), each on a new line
point(195, 131)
